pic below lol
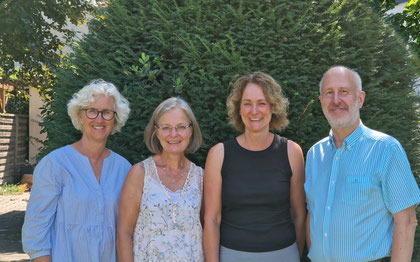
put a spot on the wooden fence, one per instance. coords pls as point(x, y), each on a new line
point(13, 146)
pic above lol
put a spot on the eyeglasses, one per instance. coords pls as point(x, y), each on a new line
point(92, 113)
point(166, 129)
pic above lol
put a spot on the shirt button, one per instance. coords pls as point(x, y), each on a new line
point(336, 158)
point(328, 208)
point(332, 182)
point(325, 234)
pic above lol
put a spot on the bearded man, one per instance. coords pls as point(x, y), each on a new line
point(360, 191)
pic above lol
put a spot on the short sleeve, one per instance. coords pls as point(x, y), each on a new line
point(399, 187)
point(41, 209)
point(308, 179)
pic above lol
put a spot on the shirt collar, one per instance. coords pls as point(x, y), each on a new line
point(351, 139)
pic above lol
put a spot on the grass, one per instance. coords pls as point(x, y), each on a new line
point(10, 189)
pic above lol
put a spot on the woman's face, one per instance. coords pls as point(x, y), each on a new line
point(98, 128)
point(174, 131)
point(255, 110)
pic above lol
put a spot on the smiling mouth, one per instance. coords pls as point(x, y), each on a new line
point(98, 127)
point(255, 118)
point(172, 143)
point(338, 110)
point(335, 109)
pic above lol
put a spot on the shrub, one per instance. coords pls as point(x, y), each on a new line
point(154, 49)
point(18, 103)
point(11, 189)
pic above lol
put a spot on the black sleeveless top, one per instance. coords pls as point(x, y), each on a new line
point(256, 198)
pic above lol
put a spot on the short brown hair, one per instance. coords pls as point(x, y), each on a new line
point(150, 138)
point(272, 92)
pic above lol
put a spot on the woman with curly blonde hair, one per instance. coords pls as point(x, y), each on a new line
point(253, 184)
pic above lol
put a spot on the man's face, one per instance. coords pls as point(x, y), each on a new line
point(340, 99)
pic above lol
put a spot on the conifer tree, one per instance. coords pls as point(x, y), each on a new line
point(154, 49)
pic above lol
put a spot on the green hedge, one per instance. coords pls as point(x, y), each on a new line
point(194, 49)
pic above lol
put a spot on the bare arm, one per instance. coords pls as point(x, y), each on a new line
point(42, 259)
point(308, 230)
point(403, 237)
point(129, 208)
point(213, 202)
point(202, 210)
point(297, 192)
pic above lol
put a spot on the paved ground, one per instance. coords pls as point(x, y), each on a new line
point(12, 213)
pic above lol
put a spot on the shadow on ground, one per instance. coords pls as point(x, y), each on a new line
point(10, 231)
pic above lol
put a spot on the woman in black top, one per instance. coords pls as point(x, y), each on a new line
point(253, 184)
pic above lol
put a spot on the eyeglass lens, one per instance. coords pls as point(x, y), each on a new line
point(168, 128)
point(93, 113)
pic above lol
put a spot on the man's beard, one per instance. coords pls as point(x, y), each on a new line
point(344, 122)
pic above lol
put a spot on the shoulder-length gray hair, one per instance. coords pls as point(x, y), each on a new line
point(150, 138)
point(85, 96)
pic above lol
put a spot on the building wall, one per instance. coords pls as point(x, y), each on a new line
point(399, 8)
point(35, 102)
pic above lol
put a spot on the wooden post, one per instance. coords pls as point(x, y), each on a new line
point(16, 143)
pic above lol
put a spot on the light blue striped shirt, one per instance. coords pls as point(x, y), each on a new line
point(352, 193)
point(70, 216)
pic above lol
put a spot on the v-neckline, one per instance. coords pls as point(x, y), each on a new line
point(87, 162)
point(165, 188)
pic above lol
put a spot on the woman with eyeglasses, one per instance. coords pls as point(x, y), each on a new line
point(73, 208)
point(159, 217)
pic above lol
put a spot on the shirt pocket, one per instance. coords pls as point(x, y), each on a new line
point(356, 190)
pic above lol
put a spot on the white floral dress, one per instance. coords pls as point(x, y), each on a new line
point(168, 230)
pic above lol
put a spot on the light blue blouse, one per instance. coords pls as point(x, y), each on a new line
point(70, 216)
